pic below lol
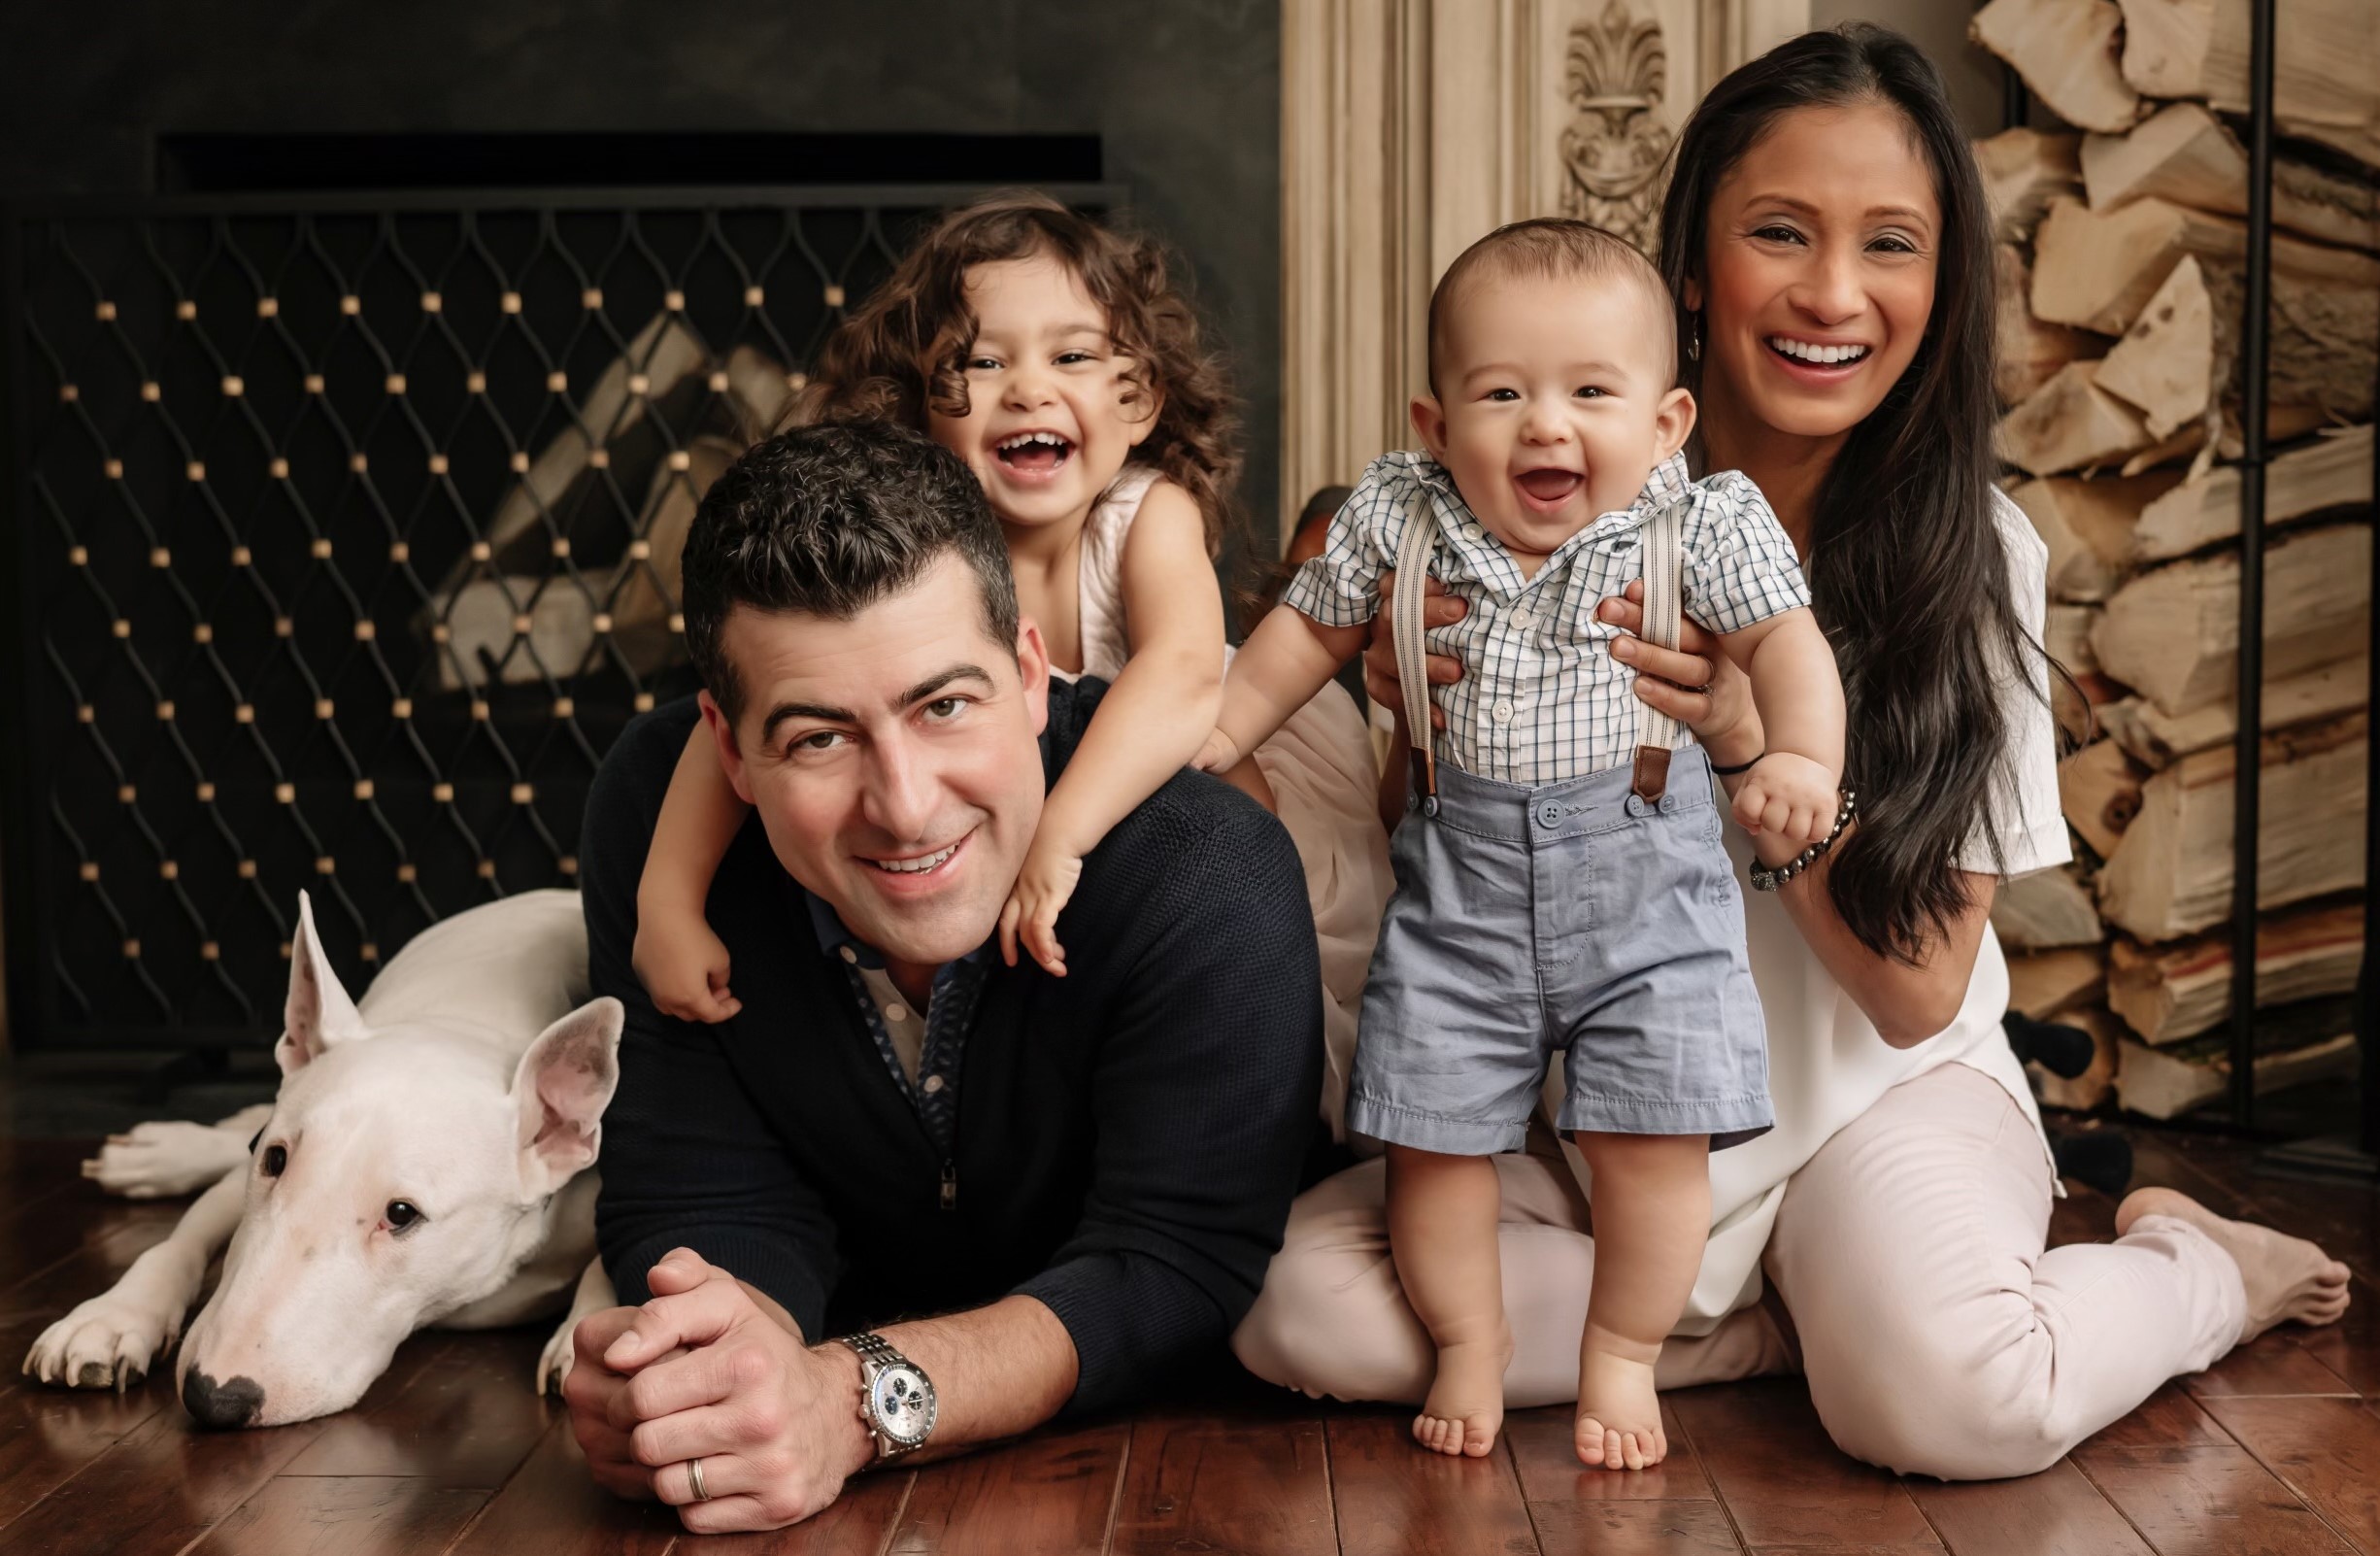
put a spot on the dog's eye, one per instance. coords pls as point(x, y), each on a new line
point(402, 1213)
point(276, 1158)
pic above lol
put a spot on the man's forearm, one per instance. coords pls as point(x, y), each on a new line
point(998, 1372)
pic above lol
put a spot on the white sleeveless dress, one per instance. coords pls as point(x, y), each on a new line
point(1321, 767)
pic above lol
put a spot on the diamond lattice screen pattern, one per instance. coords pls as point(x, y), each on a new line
point(349, 543)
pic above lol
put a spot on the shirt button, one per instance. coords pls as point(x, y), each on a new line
point(896, 1012)
point(1522, 619)
point(933, 1084)
point(1503, 712)
point(848, 954)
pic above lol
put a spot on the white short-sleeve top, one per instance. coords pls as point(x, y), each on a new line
point(1827, 1064)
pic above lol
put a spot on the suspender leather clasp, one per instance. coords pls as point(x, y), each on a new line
point(1650, 777)
point(1426, 777)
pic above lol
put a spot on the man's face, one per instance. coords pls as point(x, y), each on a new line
point(893, 758)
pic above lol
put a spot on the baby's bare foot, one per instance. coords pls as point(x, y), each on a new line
point(1465, 1407)
point(2287, 1277)
point(1619, 1414)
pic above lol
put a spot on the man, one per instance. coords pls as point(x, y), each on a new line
point(1084, 1176)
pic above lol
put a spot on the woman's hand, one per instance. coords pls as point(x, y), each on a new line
point(1696, 683)
point(1380, 675)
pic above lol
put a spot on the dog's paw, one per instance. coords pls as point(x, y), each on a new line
point(554, 1363)
point(107, 1343)
point(164, 1159)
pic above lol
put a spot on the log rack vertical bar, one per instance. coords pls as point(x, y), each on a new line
point(2248, 771)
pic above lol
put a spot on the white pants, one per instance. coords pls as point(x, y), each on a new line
point(1937, 1334)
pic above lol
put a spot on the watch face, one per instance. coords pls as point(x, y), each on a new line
point(903, 1402)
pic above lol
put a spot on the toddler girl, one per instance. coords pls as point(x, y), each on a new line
point(1057, 357)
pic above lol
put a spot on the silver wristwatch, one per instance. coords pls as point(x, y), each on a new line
point(896, 1399)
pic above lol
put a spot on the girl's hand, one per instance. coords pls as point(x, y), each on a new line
point(1786, 794)
point(1380, 675)
point(1220, 753)
point(683, 968)
point(1695, 683)
point(1048, 878)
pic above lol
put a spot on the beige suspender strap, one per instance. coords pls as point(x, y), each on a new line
point(1657, 733)
point(1412, 654)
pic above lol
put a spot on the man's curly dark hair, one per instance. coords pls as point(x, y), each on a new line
point(827, 520)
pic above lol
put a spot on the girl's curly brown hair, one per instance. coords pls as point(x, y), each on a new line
point(903, 350)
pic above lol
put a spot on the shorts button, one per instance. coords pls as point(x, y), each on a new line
point(1637, 804)
point(1669, 803)
point(1549, 814)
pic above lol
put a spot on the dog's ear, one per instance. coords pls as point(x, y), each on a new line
point(318, 1014)
point(561, 1089)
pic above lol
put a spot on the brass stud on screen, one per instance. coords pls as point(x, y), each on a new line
point(520, 461)
point(313, 383)
point(479, 551)
point(441, 632)
point(121, 627)
point(152, 391)
point(679, 459)
point(642, 702)
point(394, 384)
point(401, 708)
point(320, 547)
point(165, 711)
point(132, 950)
point(244, 713)
point(564, 707)
point(104, 312)
point(365, 631)
point(233, 386)
point(279, 469)
point(368, 952)
point(359, 463)
point(639, 384)
point(599, 458)
point(76, 556)
point(159, 556)
point(797, 382)
point(431, 302)
point(523, 793)
point(639, 550)
point(69, 394)
point(561, 546)
point(399, 552)
point(755, 296)
point(209, 951)
point(479, 710)
point(126, 794)
point(438, 465)
point(240, 557)
point(557, 382)
point(602, 622)
point(185, 309)
point(673, 300)
point(677, 621)
point(326, 865)
point(719, 382)
point(592, 297)
point(206, 793)
point(363, 789)
point(509, 303)
point(521, 625)
point(486, 869)
point(196, 470)
point(406, 874)
point(168, 870)
point(323, 708)
point(443, 794)
point(284, 794)
point(246, 869)
point(87, 714)
point(568, 864)
point(283, 626)
point(269, 307)
point(113, 469)
point(202, 632)
point(834, 296)
point(350, 305)
point(90, 870)
point(475, 383)
point(285, 949)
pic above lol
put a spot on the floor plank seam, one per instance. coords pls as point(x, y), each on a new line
point(900, 1511)
point(2290, 1486)
point(1115, 1492)
point(1710, 1472)
point(2131, 1523)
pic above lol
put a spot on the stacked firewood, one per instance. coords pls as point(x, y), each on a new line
point(2122, 262)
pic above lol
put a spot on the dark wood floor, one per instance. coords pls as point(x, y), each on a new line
point(2275, 1450)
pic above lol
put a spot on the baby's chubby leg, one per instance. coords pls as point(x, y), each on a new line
point(1652, 1205)
point(1442, 1232)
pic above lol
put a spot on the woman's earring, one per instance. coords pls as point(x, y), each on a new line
point(1693, 337)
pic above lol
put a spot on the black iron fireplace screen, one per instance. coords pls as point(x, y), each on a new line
point(346, 536)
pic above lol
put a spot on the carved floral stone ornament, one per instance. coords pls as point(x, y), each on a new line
point(1617, 140)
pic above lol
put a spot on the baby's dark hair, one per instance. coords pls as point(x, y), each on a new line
point(1555, 248)
point(903, 350)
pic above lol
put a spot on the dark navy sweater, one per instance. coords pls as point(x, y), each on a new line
point(1128, 1137)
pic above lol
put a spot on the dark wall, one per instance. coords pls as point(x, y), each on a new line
point(1185, 95)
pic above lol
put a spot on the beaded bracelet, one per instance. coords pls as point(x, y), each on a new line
point(1764, 879)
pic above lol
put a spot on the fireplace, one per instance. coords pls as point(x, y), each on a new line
point(345, 543)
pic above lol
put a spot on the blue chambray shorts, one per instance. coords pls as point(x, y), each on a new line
point(1572, 916)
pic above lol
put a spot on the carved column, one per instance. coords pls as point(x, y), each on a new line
point(1409, 127)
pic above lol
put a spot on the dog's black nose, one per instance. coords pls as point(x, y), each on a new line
point(232, 1404)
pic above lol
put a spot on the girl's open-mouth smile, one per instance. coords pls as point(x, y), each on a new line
point(1033, 456)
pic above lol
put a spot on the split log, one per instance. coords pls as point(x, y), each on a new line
point(2065, 633)
point(2088, 527)
point(2022, 171)
point(2172, 875)
point(2065, 49)
point(2071, 424)
point(2166, 994)
point(2186, 155)
point(2168, 1082)
point(2165, 363)
point(2330, 473)
point(2046, 910)
point(761, 390)
point(2028, 353)
point(2098, 789)
point(2157, 740)
point(2325, 64)
point(2093, 1087)
point(2172, 634)
point(648, 592)
point(2049, 983)
point(518, 630)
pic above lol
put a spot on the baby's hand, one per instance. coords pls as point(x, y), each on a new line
point(1220, 753)
point(683, 968)
point(1048, 879)
point(1789, 796)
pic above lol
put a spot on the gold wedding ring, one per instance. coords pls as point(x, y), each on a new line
point(693, 1475)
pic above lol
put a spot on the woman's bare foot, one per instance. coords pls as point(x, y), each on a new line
point(1465, 1407)
point(1619, 1414)
point(2287, 1277)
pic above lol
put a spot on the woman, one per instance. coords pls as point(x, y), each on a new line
point(1826, 240)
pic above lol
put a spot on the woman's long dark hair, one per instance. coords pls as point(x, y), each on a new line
point(1907, 569)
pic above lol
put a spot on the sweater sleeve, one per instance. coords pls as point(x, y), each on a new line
point(1205, 1092)
point(687, 1159)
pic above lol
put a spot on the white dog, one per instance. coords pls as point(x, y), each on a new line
point(425, 1162)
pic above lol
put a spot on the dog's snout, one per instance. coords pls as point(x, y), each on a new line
point(233, 1403)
